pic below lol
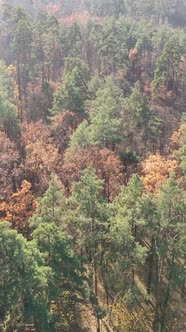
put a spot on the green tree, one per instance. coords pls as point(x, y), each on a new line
point(163, 218)
point(168, 72)
point(73, 92)
point(23, 282)
point(105, 8)
point(105, 110)
point(51, 235)
point(8, 117)
point(51, 206)
point(110, 45)
point(22, 47)
point(171, 206)
point(93, 214)
point(141, 124)
point(128, 254)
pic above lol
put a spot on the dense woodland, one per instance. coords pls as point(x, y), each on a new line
point(92, 165)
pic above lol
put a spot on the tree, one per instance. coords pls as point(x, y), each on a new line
point(93, 223)
point(71, 40)
point(39, 102)
point(37, 146)
point(62, 128)
point(9, 160)
point(178, 142)
point(155, 170)
point(109, 42)
point(140, 124)
point(21, 45)
point(168, 73)
point(106, 163)
point(105, 8)
point(19, 207)
point(105, 115)
point(66, 286)
point(23, 282)
point(73, 92)
point(51, 207)
point(171, 207)
point(50, 225)
point(8, 117)
point(128, 253)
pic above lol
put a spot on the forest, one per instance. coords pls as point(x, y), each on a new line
point(92, 165)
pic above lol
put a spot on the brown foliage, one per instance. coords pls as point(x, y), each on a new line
point(106, 163)
point(9, 158)
point(41, 156)
point(62, 127)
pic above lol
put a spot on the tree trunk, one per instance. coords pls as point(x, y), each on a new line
point(156, 314)
point(19, 92)
point(167, 296)
point(151, 260)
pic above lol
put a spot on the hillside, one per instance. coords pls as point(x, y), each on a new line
point(92, 165)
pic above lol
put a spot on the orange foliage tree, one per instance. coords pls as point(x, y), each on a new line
point(178, 136)
point(106, 163)
point(155, 170)
point(18, 208)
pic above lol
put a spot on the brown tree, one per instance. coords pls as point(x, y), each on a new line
point(9, 159)
point(62, 126)
point(106, 163)
point(41, 156)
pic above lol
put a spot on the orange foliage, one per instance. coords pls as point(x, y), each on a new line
point(133, 52)
point(155, 170)
point(177, 137)
point(106, 163)
point(81, 17)
point(19, 207)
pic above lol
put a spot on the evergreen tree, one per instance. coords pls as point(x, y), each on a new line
point(71, 95)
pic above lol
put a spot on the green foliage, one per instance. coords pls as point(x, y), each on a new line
point(169, 62)
point(110, 43)
point(8, 116)
point(23, 280)
point(125, 253)
point(51, 238)
point(93, 221)
point(81, 137)
point(103, 128)
point(51, 206)
point(105, 8)
point(73, 92)
point(105, 114)
point(117, 68)
point(139, 120)
point(71, 38)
